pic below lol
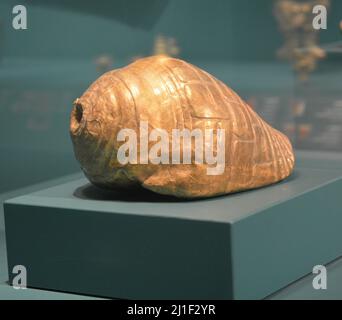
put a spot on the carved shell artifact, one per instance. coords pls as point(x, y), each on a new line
point(167, 94)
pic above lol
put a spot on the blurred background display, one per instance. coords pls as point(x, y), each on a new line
point(266, 50)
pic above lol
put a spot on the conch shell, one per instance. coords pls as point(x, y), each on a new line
point(167, 93)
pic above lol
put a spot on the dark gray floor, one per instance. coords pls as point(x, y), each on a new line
point(303, 289)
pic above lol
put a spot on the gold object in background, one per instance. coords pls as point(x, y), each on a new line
point(301, 39)
point(165, 46)
point(104, 63)
point(304, 131)
point(170, 94)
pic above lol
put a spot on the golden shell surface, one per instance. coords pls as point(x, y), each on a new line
point(170, 94)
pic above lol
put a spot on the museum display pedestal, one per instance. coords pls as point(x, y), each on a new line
point(76, 238)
